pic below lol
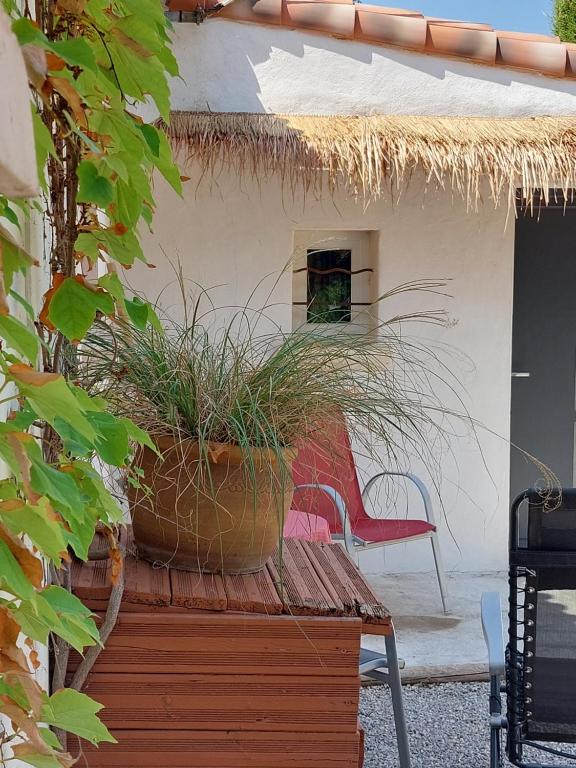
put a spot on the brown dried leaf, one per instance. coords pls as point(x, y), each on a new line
point(22, 722)
point(28, 375)
point(15, 440)
point(44, 318)
point(9, 629)
point(13, 660)
point(33, 691)
point(54, 62)
point(30, 564)
point(75, 7)
point(68, 92)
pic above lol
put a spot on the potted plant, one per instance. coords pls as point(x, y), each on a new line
point(227, 410)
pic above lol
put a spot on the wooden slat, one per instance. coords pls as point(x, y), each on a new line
point(205, 749)
point(297, 583)
point(198, 590)
point(227, 643)
point(253, 592)
point(338, 573)
point(309, 704)
point(144, 585)
point(91, 581)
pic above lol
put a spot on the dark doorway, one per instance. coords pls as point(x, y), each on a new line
point(544, 345)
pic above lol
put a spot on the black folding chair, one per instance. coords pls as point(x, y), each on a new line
point(537, 672)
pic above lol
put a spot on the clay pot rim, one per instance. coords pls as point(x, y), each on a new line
point(219, 453)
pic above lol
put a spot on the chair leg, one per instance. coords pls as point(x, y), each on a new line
point(439, 570)
point(395, 684)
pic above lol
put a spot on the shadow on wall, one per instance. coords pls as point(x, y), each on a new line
point(219, 60)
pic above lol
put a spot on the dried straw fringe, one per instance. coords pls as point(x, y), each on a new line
point(359, 154)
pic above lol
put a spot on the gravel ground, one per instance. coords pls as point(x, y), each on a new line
point(447, 726)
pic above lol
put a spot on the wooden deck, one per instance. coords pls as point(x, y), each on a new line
point(257, 671)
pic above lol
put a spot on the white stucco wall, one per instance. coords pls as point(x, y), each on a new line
point(227, 66)
point(229, 234)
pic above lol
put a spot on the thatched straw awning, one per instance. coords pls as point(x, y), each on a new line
point(364, 155)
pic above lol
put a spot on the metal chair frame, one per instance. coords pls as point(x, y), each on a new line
point(386, 669)
point(354, 544)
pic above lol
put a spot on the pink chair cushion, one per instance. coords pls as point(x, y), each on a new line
point(301, 525)
point(390, 530)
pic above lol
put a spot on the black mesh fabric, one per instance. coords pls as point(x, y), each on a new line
point(549, 633)
point(550, 673)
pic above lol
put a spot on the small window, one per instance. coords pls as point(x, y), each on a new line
point(329, 288)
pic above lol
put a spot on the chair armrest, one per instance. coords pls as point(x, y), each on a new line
point(422, 489)
point(340, 505)
point(492, 628)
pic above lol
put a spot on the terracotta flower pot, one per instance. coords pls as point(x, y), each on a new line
point(227, 520)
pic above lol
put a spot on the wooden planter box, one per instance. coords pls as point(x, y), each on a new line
point(212, 687)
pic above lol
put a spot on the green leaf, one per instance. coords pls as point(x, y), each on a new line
point(12, 577)
point(75, 51)
point(44, 146)
point(38, 523)
point(19, 338)
point(129, 204)
point(50, 738)
point(8, 489)
point(53, 400)
point(87, 245)
point(76, 713)
point(92, 486)
point(73, 308)
point(76, 624)
point(15, 692)
point(14, 259)
point(26, 32)
point(63, 601)
point(111, 283)
point(137, 311)
point(112, 439)
point(73, 442)
point(140, 436)
point(166, 166)
point(26, 306)
point(58, 486)
point(94, 188)
point(152, 138)
point(8, 213)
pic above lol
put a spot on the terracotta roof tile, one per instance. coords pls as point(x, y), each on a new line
point(260, 11)
point(570, 60)
point(409, 29)
point(335, 18)
point(546, 57)
point(381, 26)
point(465, 42)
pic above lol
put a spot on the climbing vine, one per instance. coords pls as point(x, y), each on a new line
point(90, 64)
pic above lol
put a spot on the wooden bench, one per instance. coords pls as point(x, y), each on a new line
point(255, 671)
